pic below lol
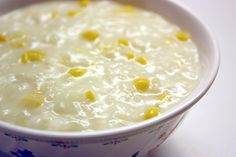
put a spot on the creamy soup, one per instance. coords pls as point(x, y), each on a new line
point(86, 66)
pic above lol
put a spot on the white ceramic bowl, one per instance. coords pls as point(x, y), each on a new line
point(133, 141)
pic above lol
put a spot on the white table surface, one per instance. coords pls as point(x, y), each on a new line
point(209, 130)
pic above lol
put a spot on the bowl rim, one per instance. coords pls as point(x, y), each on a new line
point(185, 105)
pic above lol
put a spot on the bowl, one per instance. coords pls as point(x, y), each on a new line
point(138, 140)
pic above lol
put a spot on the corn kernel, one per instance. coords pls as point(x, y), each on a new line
point(90, 96)
point(141, 60)
point(123, 41)
point(17, 35)
point(182, 36)
point(164, 96)
point(3, 38)
point(19, 44)
point(84, 3)
point(90, 35)
point(76, 72)
point(151, 112)
point(54, 14)
point(73, 13)
point(18, 40)
point(32, 56)
point(126, 9)
point(130, 55)
point(142, 84)
point(33, 100)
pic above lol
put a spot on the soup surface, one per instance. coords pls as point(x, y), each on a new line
point(85, 66)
